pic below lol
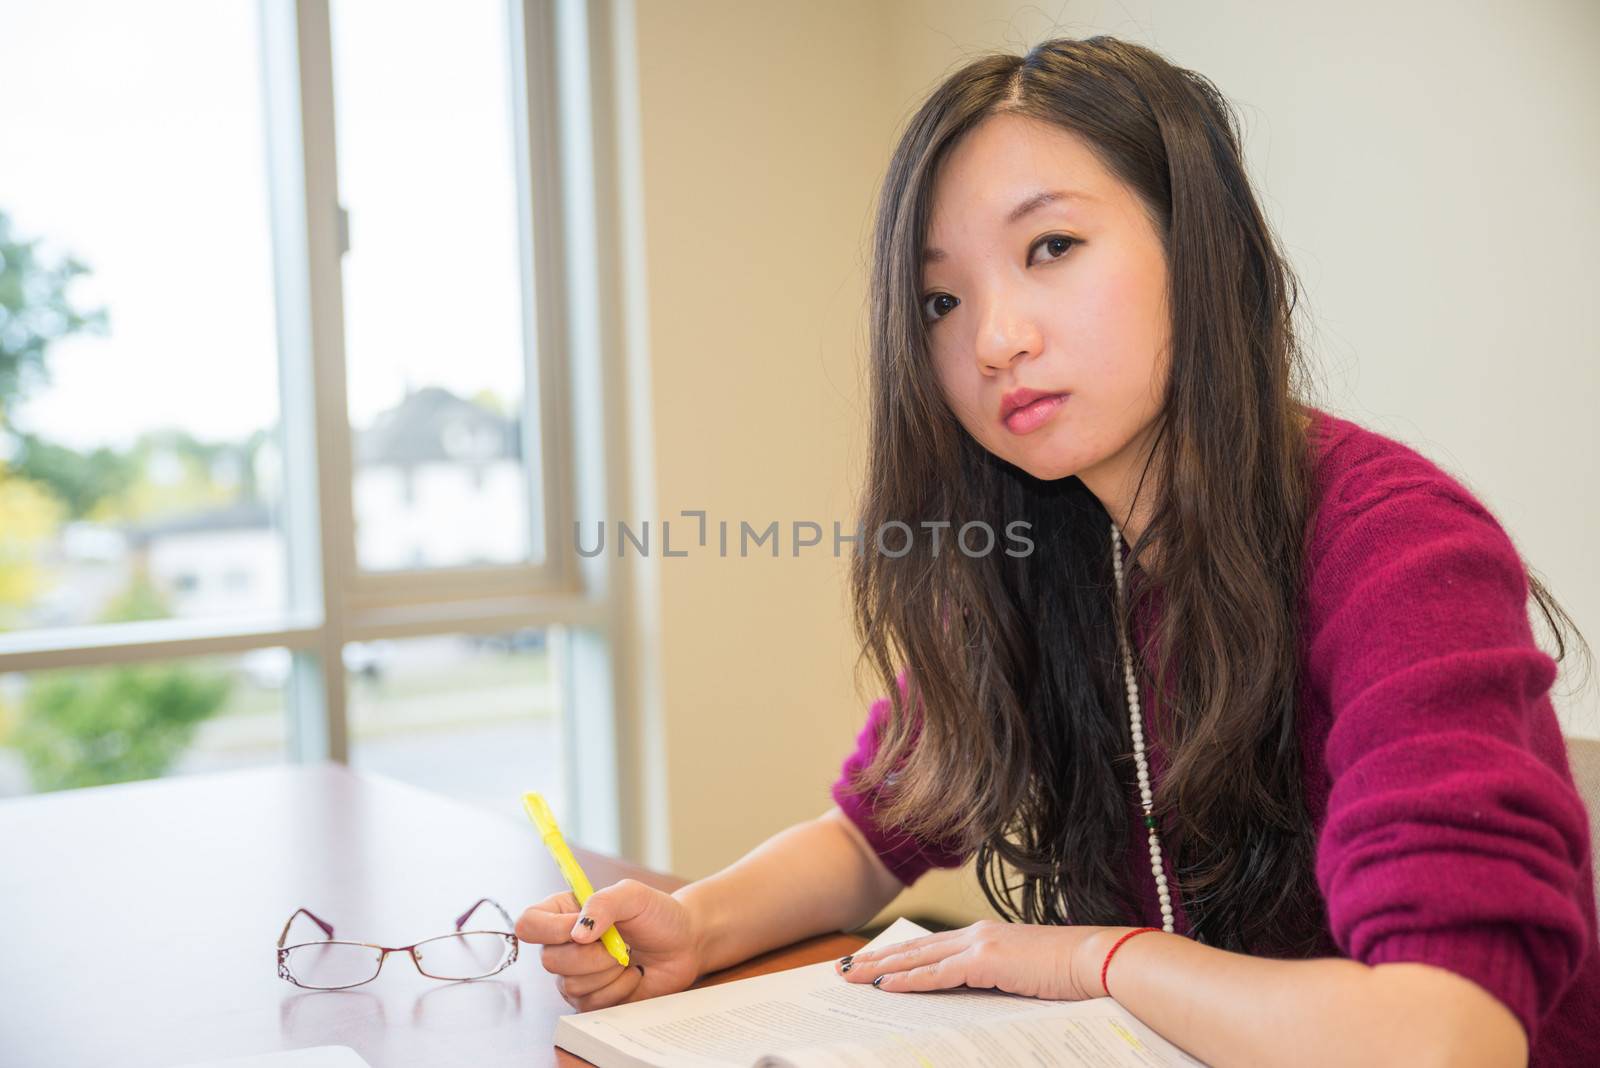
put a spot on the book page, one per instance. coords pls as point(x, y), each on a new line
point(810, 1017)
point(1098, 1033)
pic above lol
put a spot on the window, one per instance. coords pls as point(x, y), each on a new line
point(295, 340)
point(138, 435)
point(472, 716)
point(88, 727)
point(432, 291)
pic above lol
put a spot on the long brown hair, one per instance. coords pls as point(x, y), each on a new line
point(1020, 744)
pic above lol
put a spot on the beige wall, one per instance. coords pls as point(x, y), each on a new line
point(762, 128)
point(1428, 169)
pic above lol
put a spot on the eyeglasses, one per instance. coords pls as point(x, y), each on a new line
point(335, 965)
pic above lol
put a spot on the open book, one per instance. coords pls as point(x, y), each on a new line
point(811, 1018)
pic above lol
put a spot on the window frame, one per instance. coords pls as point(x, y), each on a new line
point(561, 55)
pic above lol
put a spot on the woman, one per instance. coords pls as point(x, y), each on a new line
point(1256, 738)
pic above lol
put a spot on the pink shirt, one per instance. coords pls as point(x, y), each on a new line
point(1449, 831)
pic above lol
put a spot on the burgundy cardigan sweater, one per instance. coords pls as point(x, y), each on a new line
point(1449, 831)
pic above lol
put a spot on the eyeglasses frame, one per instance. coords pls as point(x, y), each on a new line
point(384, 951)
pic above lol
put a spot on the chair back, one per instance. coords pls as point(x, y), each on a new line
point(1584, 755)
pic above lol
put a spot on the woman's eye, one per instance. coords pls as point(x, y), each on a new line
point(938, 305)
point(1056, 245)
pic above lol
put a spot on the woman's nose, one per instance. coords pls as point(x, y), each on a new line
point(1005, 332)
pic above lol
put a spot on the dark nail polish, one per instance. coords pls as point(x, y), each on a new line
point(878, 980)
point(587, 921)
point(846, 967)
point(846, 961)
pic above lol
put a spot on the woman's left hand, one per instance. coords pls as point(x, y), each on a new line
point(1038, 960)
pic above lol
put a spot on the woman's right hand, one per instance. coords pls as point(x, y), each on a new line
point(663, 955)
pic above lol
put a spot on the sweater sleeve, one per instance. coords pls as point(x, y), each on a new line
point(904, 855)
point(1453, 834)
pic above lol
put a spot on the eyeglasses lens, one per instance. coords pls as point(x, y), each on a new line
point(330, 965)
point(469, 955)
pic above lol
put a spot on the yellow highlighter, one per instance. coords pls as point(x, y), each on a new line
point(539, 813)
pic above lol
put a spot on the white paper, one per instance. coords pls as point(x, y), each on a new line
point(810, 1018)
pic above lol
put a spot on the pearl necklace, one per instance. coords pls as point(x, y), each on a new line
point(1146, 798)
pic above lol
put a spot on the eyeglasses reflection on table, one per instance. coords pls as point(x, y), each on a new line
point(331, 964)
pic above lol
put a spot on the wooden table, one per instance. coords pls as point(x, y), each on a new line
point(140, 921)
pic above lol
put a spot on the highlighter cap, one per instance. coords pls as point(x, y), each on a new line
point(539, 812)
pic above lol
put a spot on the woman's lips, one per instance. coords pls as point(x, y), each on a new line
point(1031, 417)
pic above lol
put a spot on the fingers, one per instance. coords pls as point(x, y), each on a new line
point(581, 986)
point(865, 967)
point(615, 992)
point(940, 975)
point(906, 946)
point(550, 921)
point(573, 959)
point(564, 901)
point(617, 903)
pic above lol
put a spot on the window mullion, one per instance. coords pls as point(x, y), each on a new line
point(308, 243)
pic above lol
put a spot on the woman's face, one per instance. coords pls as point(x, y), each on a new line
point(1061, 294)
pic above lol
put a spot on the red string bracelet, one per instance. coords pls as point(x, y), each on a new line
point(1112, 952)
